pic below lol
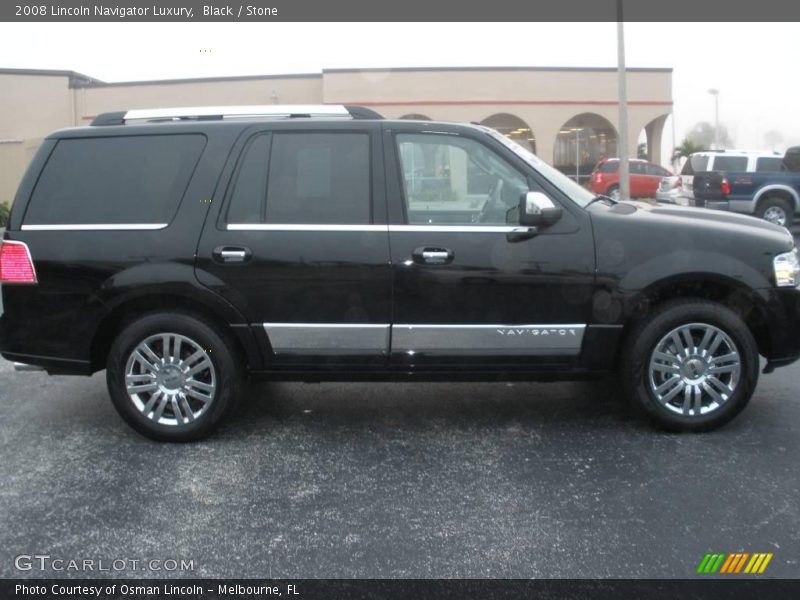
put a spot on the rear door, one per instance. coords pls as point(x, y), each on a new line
point(467, 290)
point(639, 179)
point(301, 246)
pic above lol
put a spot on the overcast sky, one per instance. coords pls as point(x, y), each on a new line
point(754, 65)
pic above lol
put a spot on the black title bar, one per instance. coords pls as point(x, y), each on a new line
point(406, 10)
point(386, 589)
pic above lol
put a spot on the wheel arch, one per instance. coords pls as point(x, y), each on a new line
point(780, 191)
point(223, 317)
point(717, 288)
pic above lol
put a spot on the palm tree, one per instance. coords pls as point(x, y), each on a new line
point(686, 148)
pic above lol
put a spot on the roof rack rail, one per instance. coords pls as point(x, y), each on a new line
point(219, 113)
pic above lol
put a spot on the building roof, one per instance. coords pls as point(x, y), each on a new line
point(79, 80)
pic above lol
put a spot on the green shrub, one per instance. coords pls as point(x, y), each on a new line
point(4, 210)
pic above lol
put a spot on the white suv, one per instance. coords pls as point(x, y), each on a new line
point(677, 189)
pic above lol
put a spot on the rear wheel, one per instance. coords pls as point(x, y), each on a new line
point(172, 377)
point(776, 210)
point(613, 193)
point(692, 365)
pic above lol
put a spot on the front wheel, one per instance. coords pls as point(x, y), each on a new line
point(692, 365)
point(172, 377)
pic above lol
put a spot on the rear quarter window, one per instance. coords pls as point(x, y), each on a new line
point(769, 164)
point(114, 180)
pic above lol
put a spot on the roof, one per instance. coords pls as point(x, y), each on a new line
point(79, 80)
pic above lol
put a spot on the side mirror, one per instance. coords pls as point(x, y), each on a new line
point(537, 210)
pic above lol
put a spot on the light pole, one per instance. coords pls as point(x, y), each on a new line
point(622, 145)
point(715, 92)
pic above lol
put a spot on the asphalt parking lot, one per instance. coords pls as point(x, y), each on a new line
point(399, 480)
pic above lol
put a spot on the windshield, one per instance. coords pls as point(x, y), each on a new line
point(578, 194)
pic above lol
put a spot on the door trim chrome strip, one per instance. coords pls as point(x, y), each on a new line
point(446, 339)
point(550, 326)
point(328, 338)
point(527, 340)
point(97, 227)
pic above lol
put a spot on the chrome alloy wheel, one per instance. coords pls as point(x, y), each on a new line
point(170, 379)
point(776, 215)
point(694, 369)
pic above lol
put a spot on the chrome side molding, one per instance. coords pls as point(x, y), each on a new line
point(328, 338)
point(356, 338)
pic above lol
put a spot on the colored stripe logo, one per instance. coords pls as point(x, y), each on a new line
point(730, 564)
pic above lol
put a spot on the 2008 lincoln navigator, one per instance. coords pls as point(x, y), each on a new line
point(183, 250)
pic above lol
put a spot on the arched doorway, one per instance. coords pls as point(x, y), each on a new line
point(650, 139)
point(581, 142)
point(514, 128)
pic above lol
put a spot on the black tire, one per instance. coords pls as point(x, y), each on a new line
point(226, 376)
point(614, 189)
point(648, 334)
point(770, 204)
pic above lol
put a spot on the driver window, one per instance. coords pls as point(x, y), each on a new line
point(449, 180)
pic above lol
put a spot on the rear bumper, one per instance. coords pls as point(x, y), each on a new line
point(737, 206)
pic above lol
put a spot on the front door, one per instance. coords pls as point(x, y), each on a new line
point(467, 287)
point(300, 245)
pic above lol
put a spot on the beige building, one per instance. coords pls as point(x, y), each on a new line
point(569, 116)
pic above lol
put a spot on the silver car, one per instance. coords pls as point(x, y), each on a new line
point(671, 191)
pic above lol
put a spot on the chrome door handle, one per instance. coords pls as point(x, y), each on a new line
point(433, 256)
point(231, 254)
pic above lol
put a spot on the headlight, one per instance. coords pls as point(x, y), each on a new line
point(787, 269)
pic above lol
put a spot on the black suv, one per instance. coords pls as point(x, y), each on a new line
point(184, 250)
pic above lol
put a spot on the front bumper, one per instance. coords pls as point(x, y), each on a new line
point(783, 323)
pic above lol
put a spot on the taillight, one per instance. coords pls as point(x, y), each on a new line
point(16, 265)
point(598, 177)
point(725, 187)
point(678, 183)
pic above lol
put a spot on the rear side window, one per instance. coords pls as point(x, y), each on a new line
point(115, 180)
point(319, 178)
point(656, 170)
point(695, 163)
point(769, 164)
point(608, 167)
point(730, 163)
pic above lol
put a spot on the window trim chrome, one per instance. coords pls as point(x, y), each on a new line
point(386, 228)
point(302, 227)
point(97, 227)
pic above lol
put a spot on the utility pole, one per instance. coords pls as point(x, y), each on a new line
point(715, 93)
point(622, 144)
